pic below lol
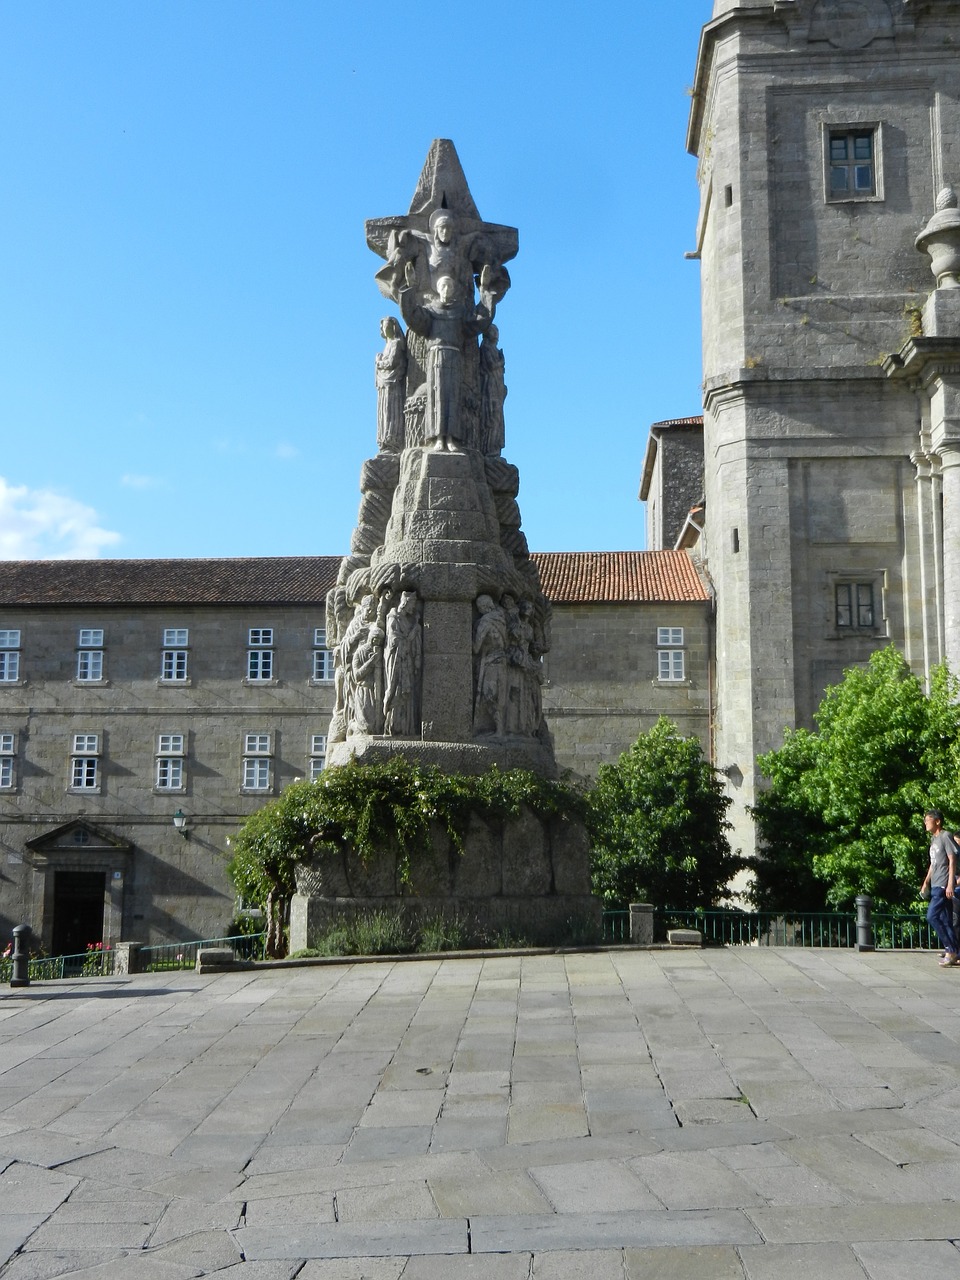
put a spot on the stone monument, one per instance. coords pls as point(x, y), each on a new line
point(437, 623)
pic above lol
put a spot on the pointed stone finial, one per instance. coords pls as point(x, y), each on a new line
point(947, 199)
point(442, 183)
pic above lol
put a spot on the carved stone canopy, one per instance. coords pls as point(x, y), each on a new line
point(442, 185)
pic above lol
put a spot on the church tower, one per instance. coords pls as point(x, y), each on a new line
point(824, 131)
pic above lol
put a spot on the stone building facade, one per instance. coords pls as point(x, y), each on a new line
point(825, 131)
point(135, 693)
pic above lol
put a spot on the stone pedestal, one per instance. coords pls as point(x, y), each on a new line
point(528, 876)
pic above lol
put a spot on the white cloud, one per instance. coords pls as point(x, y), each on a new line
point(285, 451)
point(38, 524)
point(139, 482)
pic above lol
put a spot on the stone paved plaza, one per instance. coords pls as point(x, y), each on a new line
point(619, 1115)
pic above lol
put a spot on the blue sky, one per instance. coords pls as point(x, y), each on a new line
point(188, 315)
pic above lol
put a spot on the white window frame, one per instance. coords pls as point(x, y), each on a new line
point(318, 755)
point(256, 744)
point(176, 637)
point(10, 655)
point(256, 773)
point(170, 744)
point(173, 666)
point(671, 666)
point(260, 637)
point(90, 638)
point(85, 762)
point(89, 666)
point(259, 665)
point(323, 666)
point(670, 637)
point(169, 773)
point(8, 743)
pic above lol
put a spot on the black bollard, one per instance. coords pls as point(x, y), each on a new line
point(21, 957)
point(864, 924)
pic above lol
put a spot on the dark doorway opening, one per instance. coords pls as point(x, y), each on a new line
point(78, 902)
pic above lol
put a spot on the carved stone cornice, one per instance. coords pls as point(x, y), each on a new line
point(920, 360)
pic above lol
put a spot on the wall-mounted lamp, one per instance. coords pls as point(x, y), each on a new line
point(180, 822)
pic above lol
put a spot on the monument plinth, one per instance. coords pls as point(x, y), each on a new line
point(437, 623)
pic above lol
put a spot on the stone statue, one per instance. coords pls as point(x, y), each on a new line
point(367, 668)
point(463, 257)
point(493, 392)
point(344, 674)
point(531, 701)
point(402, 664)
point(391, 368)
point(490, 654)
point(446, 321)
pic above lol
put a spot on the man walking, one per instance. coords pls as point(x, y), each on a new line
point(940, 880)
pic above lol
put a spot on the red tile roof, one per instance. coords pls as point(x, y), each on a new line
point(618, 577)
point(695, 421)
point(568, 577)
point(251, 580)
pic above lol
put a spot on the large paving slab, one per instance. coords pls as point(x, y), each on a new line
point(615, 1115)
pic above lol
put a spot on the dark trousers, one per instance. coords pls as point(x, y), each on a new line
point(940, 915)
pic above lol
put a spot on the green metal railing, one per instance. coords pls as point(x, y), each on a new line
point(183, 955)
point(99, 962)
point(891, 931)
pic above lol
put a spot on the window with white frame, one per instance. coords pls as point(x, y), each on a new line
point(85, 762)
point(173, 668)
point(260, 653)
point(256, 761)
point(318, 754)
point(322, 656)
point(7, 745)
point(9, 656)
point(90, 654)
point(671, 664)
point(170, 762)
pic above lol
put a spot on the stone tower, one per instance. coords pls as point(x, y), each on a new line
point(437, 622)
point(824, 131)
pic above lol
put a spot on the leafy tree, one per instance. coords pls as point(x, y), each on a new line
point(842, 814)
point(658, 824)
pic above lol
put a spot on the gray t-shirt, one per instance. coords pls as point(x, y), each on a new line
point(941, 846)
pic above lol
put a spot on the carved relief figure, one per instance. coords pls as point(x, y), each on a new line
point(391, 368)
point(532, 697)
point(343, 655)
point(402, 666)
point(493, 392)
point(446, 321)
point(490, 656)
point(367, 669)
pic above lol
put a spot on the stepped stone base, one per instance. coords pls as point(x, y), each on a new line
point(528, 875)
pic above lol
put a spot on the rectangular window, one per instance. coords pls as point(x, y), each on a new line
point(260, 636)
point(256, 744)
point(7, 741)
point(174, 665)
point(854, 606)
point(169, 773)
point(318, 754)
point(670, 664)
point(90, 638)
point(176, 637)
point(322, 664)
point(670, 635)
point(86, 743)
point(170, 744)
point(84, 773)
point(9, 666)
point(90, 664)
point(851, 163)
point(9, 639)
point(256, 774)
point(259, 664)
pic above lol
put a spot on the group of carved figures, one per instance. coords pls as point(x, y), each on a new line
point(507, 667)
point(431, 277)
point(377, 669)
